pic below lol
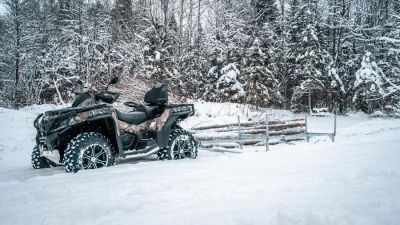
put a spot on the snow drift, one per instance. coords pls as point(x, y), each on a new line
point(352, 181)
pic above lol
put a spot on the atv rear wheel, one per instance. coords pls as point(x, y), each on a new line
point(38, 161)
point(88, 151)
point(181, 145)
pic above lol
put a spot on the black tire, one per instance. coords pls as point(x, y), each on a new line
point(88, 151)
point(174, 151)
point(38, 161)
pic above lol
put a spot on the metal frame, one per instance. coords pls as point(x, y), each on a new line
point(315, 134)
point(265, 137)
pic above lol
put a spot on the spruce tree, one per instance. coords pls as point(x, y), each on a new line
point(260, 83)
point(305, 56)
point(370, 85)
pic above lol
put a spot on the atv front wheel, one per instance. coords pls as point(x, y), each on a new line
point(88, 151)
point(181, 145)
point(38, 161)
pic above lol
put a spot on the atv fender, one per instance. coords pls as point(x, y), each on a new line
point(164, 132)
point(108, 126)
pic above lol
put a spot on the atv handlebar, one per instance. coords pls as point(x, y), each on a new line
point(131, 104)
point(107, 96)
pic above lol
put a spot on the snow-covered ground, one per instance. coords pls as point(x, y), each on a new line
point(355, 180)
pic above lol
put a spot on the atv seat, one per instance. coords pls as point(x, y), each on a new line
point(151, 111)
point(156, 100)
point(132, 117)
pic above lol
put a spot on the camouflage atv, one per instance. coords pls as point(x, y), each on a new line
point(92, 133)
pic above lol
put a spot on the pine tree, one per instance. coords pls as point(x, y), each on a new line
point(6, 64)
point(305, 56)
point(260, 67)
point(229, 89)
point(265, 11)
point(99, 42)
point(15, 27)
point(20, 39)
point(210, 80)
point(260, 83)
point(225, 43)
point(122, 16)
point(369, 85)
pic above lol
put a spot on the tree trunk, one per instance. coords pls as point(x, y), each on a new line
point(286, 96)
point(17, 24)
point(58, 93)
point(198, 50)
point(180, 28)
point(309, 100)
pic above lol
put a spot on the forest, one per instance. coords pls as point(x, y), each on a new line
point(289, 54)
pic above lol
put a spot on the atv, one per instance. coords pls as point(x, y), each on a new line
point(92, 133)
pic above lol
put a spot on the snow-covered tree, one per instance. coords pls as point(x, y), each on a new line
point(336, 85)
point(20, 60)
point(261, 85)
point(369, 85)
point(260, 66)
point(305, 56)
point(301, 49)
point(229, 89)
point(225, 42)
point(122, 16)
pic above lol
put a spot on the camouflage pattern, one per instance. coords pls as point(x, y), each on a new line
point(115, 117)
point(157, 123)
point(133, 129)
point(83, 116)
point(87, 102)
point(49, 118)
point(154, 124)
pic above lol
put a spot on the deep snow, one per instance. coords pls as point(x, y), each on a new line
point(355, 180)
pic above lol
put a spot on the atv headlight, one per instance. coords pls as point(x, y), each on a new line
point(38, 120)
